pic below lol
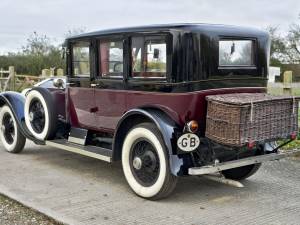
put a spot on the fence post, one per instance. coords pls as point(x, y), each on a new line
point(60, 72)
point(11, 70)
point(45, 73)
point(52, 71)
point(9, 78)
point(1, 76)
point(287, 82)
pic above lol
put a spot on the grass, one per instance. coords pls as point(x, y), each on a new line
point(12, 213)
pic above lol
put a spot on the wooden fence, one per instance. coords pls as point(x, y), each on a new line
point(10, 81)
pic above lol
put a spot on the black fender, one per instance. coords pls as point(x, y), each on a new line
point(15, 101)
point(167, 128)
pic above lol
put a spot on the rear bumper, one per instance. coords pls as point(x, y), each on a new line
point(240, 162)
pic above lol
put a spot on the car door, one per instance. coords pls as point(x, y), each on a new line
point(110, 94)
point(81, 103)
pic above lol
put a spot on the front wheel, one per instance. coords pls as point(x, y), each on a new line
point(146, 164)
point(10, 135)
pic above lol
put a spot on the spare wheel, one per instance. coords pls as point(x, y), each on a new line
point(40, 114)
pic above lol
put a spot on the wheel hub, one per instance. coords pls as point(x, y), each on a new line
point(145, 163)
point(137, 163)
point(31, 116)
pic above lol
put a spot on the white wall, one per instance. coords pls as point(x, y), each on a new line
point(273, 71)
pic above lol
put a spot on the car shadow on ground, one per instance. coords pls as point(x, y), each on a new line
point(101, 172)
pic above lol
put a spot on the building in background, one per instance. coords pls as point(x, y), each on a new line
point(273, 72)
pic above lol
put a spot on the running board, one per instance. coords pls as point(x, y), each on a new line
point(240, 162)
point(88, 150)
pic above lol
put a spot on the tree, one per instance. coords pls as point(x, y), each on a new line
point(37, 54)
point(285, 49)
point(278, 51)
point(38, 45)
point(293, 39)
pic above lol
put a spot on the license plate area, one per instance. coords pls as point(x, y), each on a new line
point(188, 142)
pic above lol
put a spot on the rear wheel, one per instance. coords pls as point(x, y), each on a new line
point(10, 135)
point(241, 173)
point(146, 164)
point(40, 114)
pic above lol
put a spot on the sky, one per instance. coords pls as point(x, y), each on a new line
point(20, 18)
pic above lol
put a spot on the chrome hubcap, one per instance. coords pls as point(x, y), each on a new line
point(137, 163)
point(31, 116)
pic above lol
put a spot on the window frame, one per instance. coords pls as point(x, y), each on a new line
point(73, 43)
point(238, 38)
point(167, 37)
point(98, 58)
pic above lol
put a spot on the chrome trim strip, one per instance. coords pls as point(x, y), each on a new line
point(79, 151)
point(240, 162)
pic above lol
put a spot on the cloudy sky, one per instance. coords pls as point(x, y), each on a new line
point(19, 18)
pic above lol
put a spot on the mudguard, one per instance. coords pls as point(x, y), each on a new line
point(15, 101)
point(178, 163)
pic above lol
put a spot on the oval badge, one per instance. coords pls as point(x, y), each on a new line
point(188, 142)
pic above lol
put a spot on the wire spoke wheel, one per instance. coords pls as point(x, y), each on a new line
point(144, 162)
point(8, 128)
point(10, 135)
point(37, 115)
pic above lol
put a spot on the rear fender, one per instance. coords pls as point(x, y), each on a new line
point(15, 101)
point(167, 128)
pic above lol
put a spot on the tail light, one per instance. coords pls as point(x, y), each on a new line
point(192, 126)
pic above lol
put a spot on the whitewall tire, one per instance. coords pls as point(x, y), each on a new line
point(10, 135)
point(146, 163)
point(40, 114)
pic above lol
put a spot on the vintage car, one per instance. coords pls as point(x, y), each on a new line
point(155, 97)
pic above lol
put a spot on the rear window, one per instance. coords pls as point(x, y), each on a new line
point(236, 52)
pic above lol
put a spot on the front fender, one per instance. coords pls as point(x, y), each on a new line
point(15, 101)
point(167, 128)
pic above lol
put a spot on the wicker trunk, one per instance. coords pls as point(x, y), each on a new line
point(237, 119)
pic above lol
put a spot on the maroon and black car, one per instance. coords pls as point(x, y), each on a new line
point(166, 100)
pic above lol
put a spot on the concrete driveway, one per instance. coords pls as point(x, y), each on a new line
point(78, 190)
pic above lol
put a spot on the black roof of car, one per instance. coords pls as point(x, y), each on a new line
point(193, 27)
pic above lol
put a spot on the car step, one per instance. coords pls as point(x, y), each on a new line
point(87, 150)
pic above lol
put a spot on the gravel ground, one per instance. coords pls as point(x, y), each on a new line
point(13, 213)
point(79, 190)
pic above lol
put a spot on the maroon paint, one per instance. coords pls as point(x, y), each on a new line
point(81, 101)
point(112, 104)
point(59, 98)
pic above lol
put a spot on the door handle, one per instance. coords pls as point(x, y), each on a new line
point(95, 85)
point(94, 109)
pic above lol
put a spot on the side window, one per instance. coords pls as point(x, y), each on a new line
point(149, 57)
point(81, 59)
point(111, 58)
